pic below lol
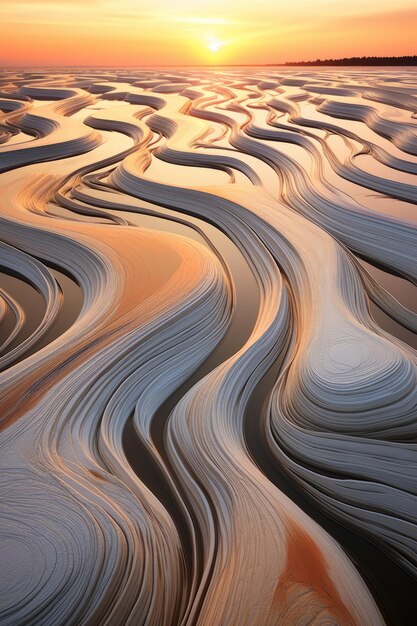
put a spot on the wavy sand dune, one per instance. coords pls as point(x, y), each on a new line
point(208, 367)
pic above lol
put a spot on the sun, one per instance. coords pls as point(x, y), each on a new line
point(214, 45)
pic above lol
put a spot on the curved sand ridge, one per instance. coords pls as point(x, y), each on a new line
point(117, 510)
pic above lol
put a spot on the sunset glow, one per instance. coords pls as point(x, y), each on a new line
point(103, 32)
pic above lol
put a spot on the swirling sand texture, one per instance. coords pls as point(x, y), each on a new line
point(208, 369)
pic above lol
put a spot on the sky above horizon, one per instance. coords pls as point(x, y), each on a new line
point(159, 32)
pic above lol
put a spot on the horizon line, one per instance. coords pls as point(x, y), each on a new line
point(314, 62)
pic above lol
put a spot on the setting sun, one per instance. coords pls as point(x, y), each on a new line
point(215, 45)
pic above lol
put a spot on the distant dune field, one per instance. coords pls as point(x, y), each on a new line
point(208, 365)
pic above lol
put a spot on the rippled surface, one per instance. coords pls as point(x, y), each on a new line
point(208, 314)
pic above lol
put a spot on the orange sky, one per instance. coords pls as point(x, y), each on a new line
point(176, 32)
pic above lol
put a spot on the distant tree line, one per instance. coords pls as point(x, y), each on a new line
point(405, 60)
